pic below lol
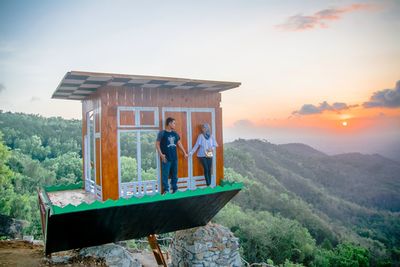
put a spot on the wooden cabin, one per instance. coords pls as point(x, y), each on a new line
point(121, 116)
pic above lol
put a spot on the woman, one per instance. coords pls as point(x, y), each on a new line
point(206, 142)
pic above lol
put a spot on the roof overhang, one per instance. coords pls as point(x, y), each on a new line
point(78, 85)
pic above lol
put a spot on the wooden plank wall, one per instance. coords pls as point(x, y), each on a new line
point(220, 149)
point(112, 97)
point(109, 145)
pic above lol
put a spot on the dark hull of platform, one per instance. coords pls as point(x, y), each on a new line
point(99, 226)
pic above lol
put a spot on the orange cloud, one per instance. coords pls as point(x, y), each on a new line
point(319, 19)
point(381, 99)
point(308, 109)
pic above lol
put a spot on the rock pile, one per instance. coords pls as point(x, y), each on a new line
point(208, 246)
point(10, 227)
point(114, 255)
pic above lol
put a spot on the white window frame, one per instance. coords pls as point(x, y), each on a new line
point(137, 111)
point(91, 185)
point(138, 128)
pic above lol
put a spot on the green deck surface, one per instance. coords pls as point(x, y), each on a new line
point(225, 186)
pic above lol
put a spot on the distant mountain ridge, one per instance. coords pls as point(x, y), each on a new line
point(348, 195)
point(302, 149)
point(368, 180)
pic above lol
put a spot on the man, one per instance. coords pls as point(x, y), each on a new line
point(166, 146)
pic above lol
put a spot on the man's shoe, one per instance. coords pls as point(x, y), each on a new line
point(165, 192)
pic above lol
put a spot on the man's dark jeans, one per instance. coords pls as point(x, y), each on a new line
point(169, 169)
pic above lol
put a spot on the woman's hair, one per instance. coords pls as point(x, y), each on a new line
point(169, 120)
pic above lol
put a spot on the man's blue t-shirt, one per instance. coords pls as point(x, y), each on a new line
point(168, 141)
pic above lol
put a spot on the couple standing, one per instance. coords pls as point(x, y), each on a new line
point(166, 143)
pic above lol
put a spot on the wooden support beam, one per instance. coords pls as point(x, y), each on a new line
point(156, 250)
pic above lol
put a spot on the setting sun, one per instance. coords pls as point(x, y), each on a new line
point(344, 123)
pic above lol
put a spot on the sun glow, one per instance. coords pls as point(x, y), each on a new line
point(344, 123)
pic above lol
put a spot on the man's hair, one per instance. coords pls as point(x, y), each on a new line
point(169, 120)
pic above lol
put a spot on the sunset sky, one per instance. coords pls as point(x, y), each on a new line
point(324, 73)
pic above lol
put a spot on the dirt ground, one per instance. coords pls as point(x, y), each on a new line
point(25, 254)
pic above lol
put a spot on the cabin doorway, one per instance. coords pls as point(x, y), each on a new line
point(188, 126)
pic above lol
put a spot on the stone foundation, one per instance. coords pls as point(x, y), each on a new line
point(114, 255)
point(211, 245)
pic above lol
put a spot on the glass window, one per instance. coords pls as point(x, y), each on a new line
point(147, 118)
point(92, 159)
point(128, 156)
point(97, 121)
point(98, 161)
point(138, 157)
point(127, 118)
point(148, 156)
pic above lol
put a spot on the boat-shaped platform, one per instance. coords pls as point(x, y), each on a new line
point(94, 223)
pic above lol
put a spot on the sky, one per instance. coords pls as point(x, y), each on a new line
point(323, 73)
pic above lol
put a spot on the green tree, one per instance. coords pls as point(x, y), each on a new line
point(150, 174)
point(322, 258)
point(288, 263)
point(264, 236)
point(349, 255)
point(67, 166)
point(21, 207)
point(28, 174)
point(128, 169)
point(6, 187)
point(33, 146)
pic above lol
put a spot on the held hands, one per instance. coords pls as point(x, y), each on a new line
point(164, 158)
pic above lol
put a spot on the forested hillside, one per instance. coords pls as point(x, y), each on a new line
point(342, 199)
point(35, 151)
point(298, 206)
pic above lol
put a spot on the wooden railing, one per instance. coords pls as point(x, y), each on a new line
point(139, 189)
point(95, 189)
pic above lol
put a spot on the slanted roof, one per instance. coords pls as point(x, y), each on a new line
point(78, 85)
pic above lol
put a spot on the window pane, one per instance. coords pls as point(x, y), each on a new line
point(147, 118)
point(149, 155)
point(98, 161)
point(128, 156)
point(97, 122)
point(91, 146)
point(127, 118)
